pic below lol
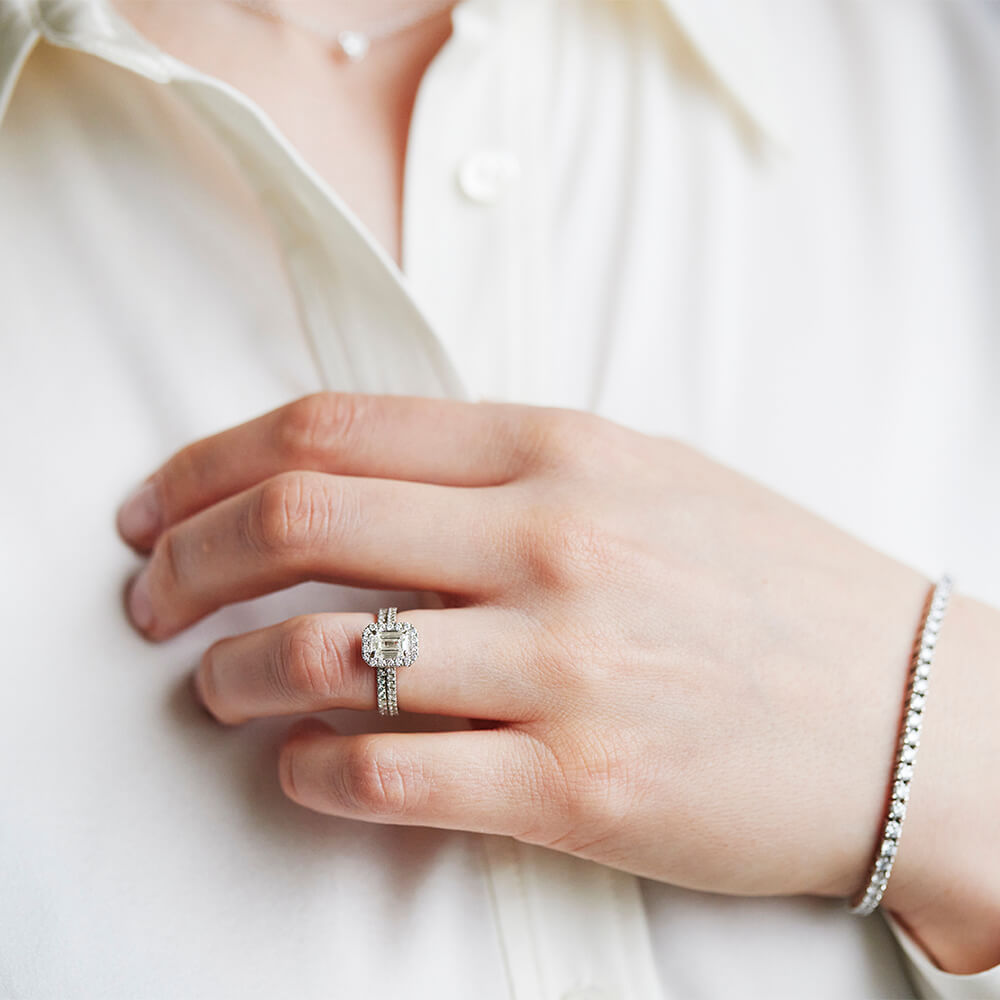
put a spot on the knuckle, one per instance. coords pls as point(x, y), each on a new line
point(566, 546)
point(603, 768)
point(597, 788)
point(546, 792)
point(289, 513)
point(316, 425)
point(310, 661)
point(553, 436)
point(560, 438)
point(376, 780)
point(565, 658)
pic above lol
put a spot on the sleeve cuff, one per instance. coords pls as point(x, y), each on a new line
point(933, 983)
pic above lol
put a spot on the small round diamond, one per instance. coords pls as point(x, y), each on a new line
point(353, 44)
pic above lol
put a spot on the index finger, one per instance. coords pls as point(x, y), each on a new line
point(444, 441)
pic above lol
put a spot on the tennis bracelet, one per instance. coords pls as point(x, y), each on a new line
point(906, 754)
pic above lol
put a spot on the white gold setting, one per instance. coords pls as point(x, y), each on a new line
point(906, 755)
point(385, 645)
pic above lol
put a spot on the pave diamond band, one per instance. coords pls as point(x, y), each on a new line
point(868, 899)
point(385, 645)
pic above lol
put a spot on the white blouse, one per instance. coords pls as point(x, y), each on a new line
point(768, 227)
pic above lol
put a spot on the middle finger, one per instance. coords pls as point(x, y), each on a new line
point(354, 530)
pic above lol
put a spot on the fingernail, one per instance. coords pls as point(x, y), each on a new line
point(140, 606)
point(139, 517)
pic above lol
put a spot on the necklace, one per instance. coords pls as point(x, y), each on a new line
point(353, 43)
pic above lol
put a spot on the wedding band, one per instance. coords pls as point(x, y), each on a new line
point(385, 645)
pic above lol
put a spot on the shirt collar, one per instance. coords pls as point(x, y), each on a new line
point(728, 36)
point(736, 45)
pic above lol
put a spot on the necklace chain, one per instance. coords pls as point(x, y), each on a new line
point(353, 42)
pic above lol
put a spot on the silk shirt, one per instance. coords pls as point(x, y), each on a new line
point(769, 229)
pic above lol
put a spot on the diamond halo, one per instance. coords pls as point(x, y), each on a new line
point(385, 645)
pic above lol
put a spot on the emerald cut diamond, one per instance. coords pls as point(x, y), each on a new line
point(392, 643)
point(389, 644)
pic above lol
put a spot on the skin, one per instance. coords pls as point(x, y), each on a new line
point(677, 672)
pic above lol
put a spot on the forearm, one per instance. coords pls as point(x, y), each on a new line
point(945, 884)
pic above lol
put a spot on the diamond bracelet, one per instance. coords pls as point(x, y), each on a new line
point(906, 754)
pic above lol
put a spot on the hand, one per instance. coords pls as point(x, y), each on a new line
point(674, 671)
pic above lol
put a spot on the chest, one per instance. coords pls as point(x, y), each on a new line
point(349, 119)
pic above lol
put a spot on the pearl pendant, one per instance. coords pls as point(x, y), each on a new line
point(353, 44)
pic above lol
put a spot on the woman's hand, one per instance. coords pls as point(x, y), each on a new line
point(674, 671)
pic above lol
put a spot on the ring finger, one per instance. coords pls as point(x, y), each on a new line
point(474, 662)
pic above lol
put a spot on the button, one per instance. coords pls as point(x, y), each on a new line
point(485, 175)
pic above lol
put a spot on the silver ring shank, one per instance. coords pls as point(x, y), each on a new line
point(385, 686)
point(385, 680)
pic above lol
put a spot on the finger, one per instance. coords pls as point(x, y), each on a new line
point(297, 526)
point(473, 662)
point(485, 780)
point(444, 441)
